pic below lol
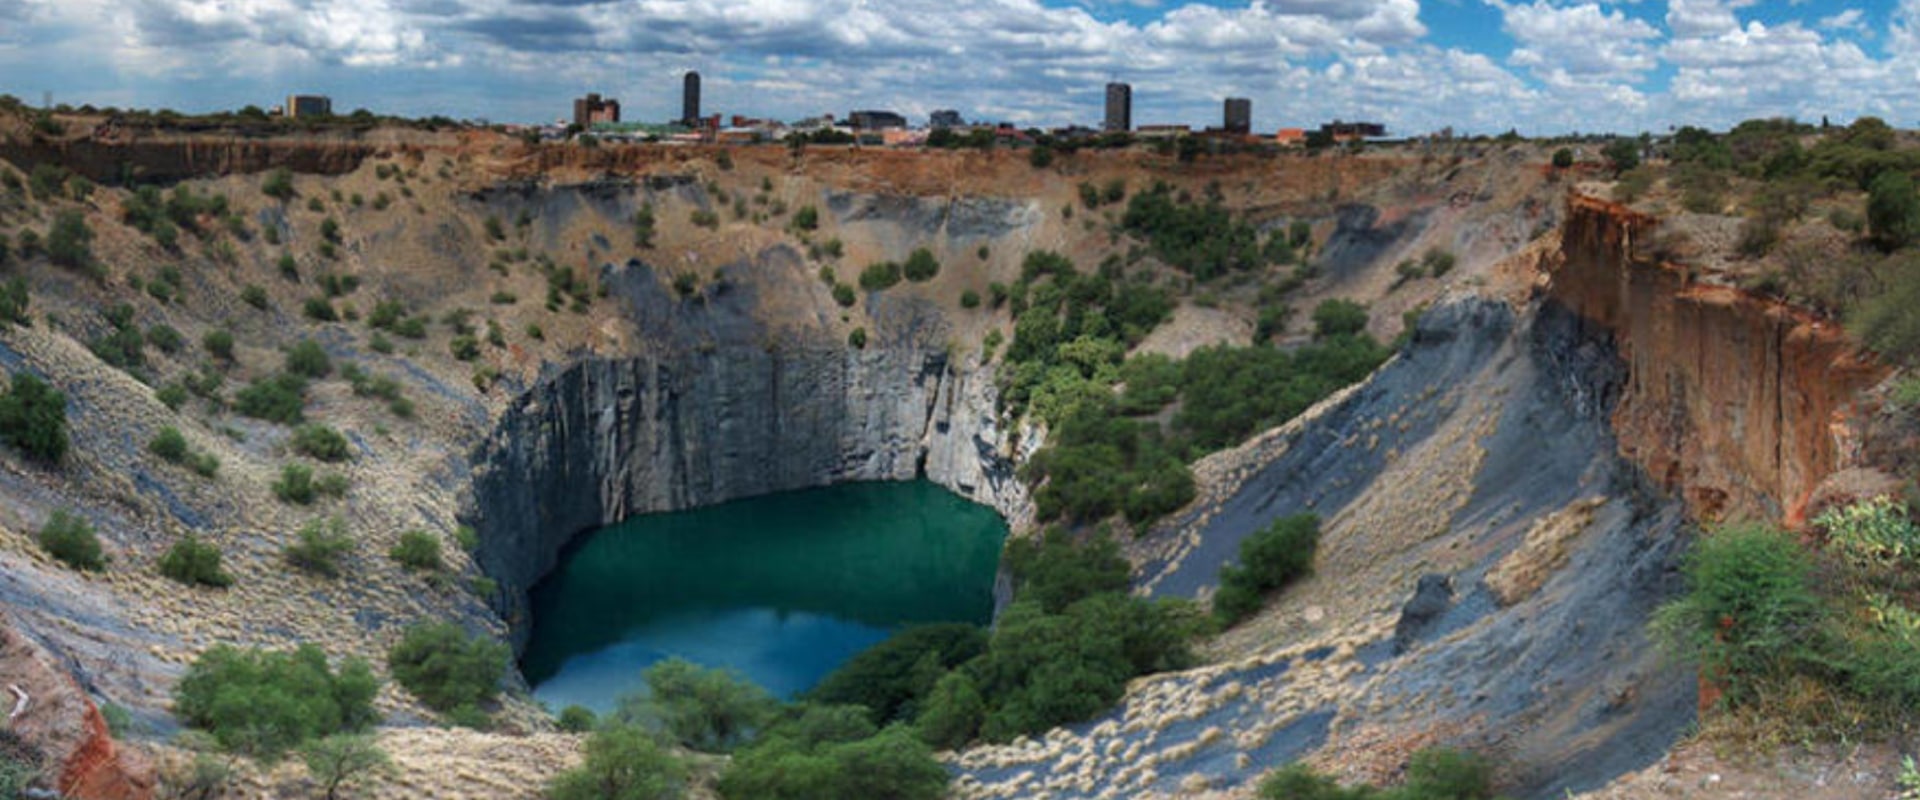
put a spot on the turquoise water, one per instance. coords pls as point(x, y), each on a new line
point(783, 588)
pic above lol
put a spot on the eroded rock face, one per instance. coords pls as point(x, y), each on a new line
point(724, 409)
point(1738, 403)
point(83, 759)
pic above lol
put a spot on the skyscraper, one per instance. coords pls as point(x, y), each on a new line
point(690, 99)
point(1119, 107)
point(1239, 115)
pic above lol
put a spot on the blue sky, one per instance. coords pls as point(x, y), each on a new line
point(1543, 66)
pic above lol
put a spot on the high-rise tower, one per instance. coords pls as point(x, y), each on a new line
point(1119, 107)
point(1239, 115)
point(690, 99)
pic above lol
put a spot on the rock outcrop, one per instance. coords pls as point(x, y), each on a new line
point(83, 760)
point(1738, 403)
point(724, 409)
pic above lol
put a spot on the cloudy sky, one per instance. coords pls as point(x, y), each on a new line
point(1546, 66)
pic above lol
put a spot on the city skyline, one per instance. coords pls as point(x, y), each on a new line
point(1479, 66)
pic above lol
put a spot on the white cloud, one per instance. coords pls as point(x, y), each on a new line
point(1578, 46)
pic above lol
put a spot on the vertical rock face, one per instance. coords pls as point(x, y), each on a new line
point(59, 719)
point(1735, 402)
point(705, 420)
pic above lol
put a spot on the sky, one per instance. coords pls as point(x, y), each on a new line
point(1479, 66)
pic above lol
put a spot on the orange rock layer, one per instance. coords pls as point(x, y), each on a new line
point(1739, 403)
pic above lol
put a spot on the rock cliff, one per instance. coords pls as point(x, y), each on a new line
point(721, 408)
point(1741, 404)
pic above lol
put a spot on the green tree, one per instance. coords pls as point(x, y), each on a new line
point(279, 184)
point(1269, 560)
point(1749, 612)
point(308, 359)
point(322, 442)
point(418, 551)
point(445, 667)
point(262, 703)
point(1893, 210)
point(1338, 317)
point(883, 677)
point(953, 712)
point(1563, 158)
point(921, 266)
point(344, 761)
point(623, 762)
point(1623, 154)
point(785, 766)
point(70, 539)
point(710, 710)
point(194, 563)
point(70, 241)
point(33, 417)
point(13, 296)
point(319, 547)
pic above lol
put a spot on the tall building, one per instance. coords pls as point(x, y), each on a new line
point(875, 120)
point(1239, 115)
point(690, 98)
point(1119, 108)
point(592, 109)
point(309, 105)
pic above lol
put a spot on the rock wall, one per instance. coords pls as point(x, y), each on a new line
point(1738, 403)
point(707, 418)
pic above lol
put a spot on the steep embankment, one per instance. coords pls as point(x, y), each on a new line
point(1740, 404)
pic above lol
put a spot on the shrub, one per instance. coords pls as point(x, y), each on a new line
point(969, 299)
point(170, 445)
point(263, 703)
point(1446, 774)
point(1893, 210)
point(13, 296)
point(344, 760)
point(1269, 560)
point(278, 185)
point(1749, 611)
point(622, 762)
point(418, 551)
point(308, 359)
point(709, 710)
point(1339, 318)
point(319, 309)
point(576, 719)
point(381, 344)
point(319, 548)
point(1876, 531)
point(857, 339)
point(70, 539)
point(288, 269)
point(70, 241)
point(33, 417)
point(219, 344)
point(279, 398)
point(166, 338)
point(921, 266)
point(445, 668)
point(880, 276)
point(172, 395)
point(890, 764)
point(952, 712)
point(702, 218)
point(295, 484)
point(321, 442)
point(807, 218)
point(194, 562)
point(329, 231)
point(1623, 154)
point(844, 295)
point(889, 679)
point(1437, 262)
point(1563, 158)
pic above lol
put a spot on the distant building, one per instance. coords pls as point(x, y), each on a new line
point(1291, 137)
point(592, 109)
point(1239, 115)
point(690, 98)
point(875, 120)
point(1350, 131)
point(309, 105)
point(947, 118)
point(1119, 108)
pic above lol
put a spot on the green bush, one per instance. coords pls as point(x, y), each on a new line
point(418, 551)
point(279, 398)
point(309, 360)
point(890, 678)
point(194, 562)
point(278, 184)
point(1437, 262)
point(709, 710)
point(1432, 774)
point(70, 241)
point(969, 299)
point(857, 339)
point(877, 277)
point(1057, 570)
point(622, 762)
point(1749, 612)
point(1202, 240)
point(218, 343)
point(464, 347)
point(807, 218)
point(952, 713)
point(576, 719)
point(170, 445)
point(14, 298)
point(166, 338)
point(319, 309)
point(1893, 210)
point(33, 417)
point(1877, 531)
point(173, 395)
point(70, 539)
point(787, 766)
point(844, 295)
point(445, 667)
point(319, 547)
point(295, 484)
point(321, 442)
point(1338, 317)
point(264, 703)
point(343, 761)
point(1269, 560)
point(921, 266)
